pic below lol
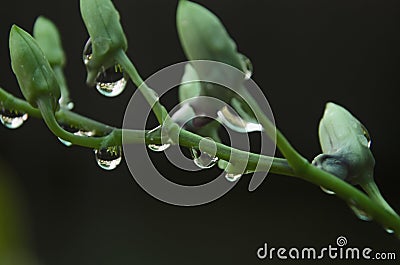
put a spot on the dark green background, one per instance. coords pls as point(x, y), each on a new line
point(304, 53)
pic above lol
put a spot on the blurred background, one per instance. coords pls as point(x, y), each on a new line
point(58, 207)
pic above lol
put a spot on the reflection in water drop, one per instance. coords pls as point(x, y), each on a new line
point(236, 123)
point(12, 119)
point(66, 105)
point(157, 147)
point(87, 52)
point(247, 67)
point(330, 192)
point(202, 159)
point(231, 177)
point(74, 131)
point(111, 82)
point(389, 230)
point(360, 213)
point(367, 136)
point(108, 158)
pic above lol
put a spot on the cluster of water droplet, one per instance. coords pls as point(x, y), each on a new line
point(12, 119)
point(110, 82)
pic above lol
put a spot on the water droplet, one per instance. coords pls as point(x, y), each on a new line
point(111, 82)
point(231, 177)
point(236, 123)
point(327, 191)
point(108, 158)
point(366, 135)
point(12, 119)
point(360, 213)
point(205, 156)
point(247, 67)
point(389, 230)
point(66, 105)
point(65, 142)
point(84, 133)
point(158, 147)
point(87, 52)
point(69, 129)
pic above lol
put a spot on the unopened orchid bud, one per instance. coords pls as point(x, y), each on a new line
point(345, 145)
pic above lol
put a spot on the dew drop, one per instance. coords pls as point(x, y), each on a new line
point(202, 159)
point(360, 213)
point(12, 119)
point(111, 82)
point(367, 136)
point(65, 142)
point(108, 158)
point(158, 147)
point(205, 156)
point(232, 177)
point(87, 52)
point(327, 191)
point(236, 123)
point(69, 105)
point(69, 129)
point(247, 67)
point(389, 230)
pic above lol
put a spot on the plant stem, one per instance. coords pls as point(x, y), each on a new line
point(187, 139)
point(373, 192)
point(149, 94)
point(295, 160)
point(345, 191)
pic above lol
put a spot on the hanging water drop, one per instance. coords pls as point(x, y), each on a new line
point(69, 105)
point(12, 119)
point(87, 52)
point(330, 192)
point(236, 123)
point(158, 147)
point(69, 129)
point(360, 213)
point(232, 177)
point(108, 158)
point(389, 230)
point(111, 82)
point(205, 156)
point(247, 67)
point(367, 136)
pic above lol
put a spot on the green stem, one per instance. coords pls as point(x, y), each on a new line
point(113, 138)
point(351, 195)
point(65, 99)
point(373, 192)
point(295, 160)
point(149, 94)
point(344, 190)
point(187, 139)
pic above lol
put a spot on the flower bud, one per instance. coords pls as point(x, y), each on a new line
point(203, 36)
point(106, 35)
point(48, 38)
point(345, 145)
point(33, 71)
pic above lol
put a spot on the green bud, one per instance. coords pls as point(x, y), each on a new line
point(34, 74)
point(203, 37)
point(190, 87)
point(345, 145)
point(106, 35)
point(48, 38)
